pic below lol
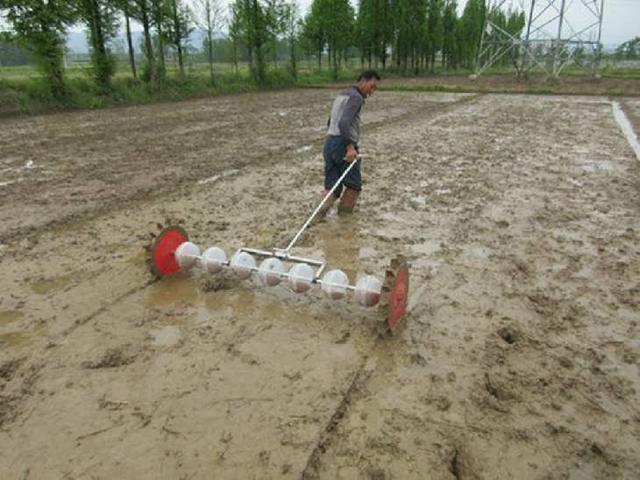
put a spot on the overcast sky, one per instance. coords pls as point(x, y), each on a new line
point(621, 17)
point(621, 20)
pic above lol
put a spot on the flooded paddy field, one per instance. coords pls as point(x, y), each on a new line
point(520, 357)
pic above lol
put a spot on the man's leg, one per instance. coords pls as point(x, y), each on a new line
point(333, 152)
point(348, 200)
point(352, 187)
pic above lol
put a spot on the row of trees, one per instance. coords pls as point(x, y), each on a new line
point(629, 50)
point(409, 33)
point(406, 34)
point(41, 25)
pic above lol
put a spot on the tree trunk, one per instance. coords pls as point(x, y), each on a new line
point(335, 62)
point(178, 37)
point(132, 58)
point(235, 55)
point(55, 70)
point(157, 17)
point(210, 52)
point(148, 44)
point(99, 57)
point(294, 69)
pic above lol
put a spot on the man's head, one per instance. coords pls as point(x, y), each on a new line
point(368, 82)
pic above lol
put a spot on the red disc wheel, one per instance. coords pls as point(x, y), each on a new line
point(397, 291)
point(163, 261)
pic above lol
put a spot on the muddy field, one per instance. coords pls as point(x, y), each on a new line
point(520, 357)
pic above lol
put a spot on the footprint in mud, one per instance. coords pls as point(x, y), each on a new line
point(462, 465)
point(215, 283)
point(112, 358)
point(509, 334)
point(9, 368)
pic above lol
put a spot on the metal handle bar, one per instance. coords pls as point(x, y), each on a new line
point(326, 197)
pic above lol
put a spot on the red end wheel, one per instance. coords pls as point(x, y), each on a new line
point(163, 261)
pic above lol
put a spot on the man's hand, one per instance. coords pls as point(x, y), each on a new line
point(351, 153)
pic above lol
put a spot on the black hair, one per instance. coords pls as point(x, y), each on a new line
point(368, 75)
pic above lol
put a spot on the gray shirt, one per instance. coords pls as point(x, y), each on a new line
point(345, 115)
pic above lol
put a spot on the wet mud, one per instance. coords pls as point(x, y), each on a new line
point(519, 359)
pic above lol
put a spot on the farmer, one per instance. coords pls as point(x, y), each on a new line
point(341, 145)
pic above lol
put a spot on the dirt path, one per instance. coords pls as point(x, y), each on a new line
point(520, 357)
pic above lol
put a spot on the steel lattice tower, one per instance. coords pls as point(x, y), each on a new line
point(556, 33)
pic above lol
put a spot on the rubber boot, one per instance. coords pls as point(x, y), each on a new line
point(348, 201)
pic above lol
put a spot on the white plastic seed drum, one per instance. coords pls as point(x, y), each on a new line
point(368, 290)
point(242, 263)
point(300, 277)
point(186, 254)
point(213, 259)
point(270, 271)
point(334, 284)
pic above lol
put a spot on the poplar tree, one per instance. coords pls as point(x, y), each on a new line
point(100, 19)
point(313, 30)
point(178, 29)
point(470, 31)
point(159, 14)
point(127, 8)
point(292, 31)
point(142, 13)
point(209, 18)
point(435, 31)
point(235, 30)
point(449, 27)
point(331, 24)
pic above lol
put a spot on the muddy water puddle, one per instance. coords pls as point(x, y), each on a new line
point(10, 316)
point(339, 239)
point(22, 337)
point(182, 303)
point(44, 286)
point(12, 334)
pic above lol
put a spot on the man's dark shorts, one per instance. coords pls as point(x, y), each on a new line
point(334, 152)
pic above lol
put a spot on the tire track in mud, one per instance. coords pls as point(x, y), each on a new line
point(383, 346)
point(11, 401)
point(495, 214)
point(104, 308)
point(380, 349)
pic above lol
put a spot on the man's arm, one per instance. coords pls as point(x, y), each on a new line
point(347, 123)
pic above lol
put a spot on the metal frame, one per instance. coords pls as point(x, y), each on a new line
point(539, 45)
point(283, 253)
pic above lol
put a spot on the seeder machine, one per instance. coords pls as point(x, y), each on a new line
point(172, 251)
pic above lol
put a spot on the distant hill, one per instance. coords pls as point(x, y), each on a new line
point(77, 41)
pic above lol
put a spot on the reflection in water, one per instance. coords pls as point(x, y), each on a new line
point(179, 287)
point(13, 339)
point(237, 302)
point(340, 242)
point(9, 316)
point(46, 285)
point(182, 291)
